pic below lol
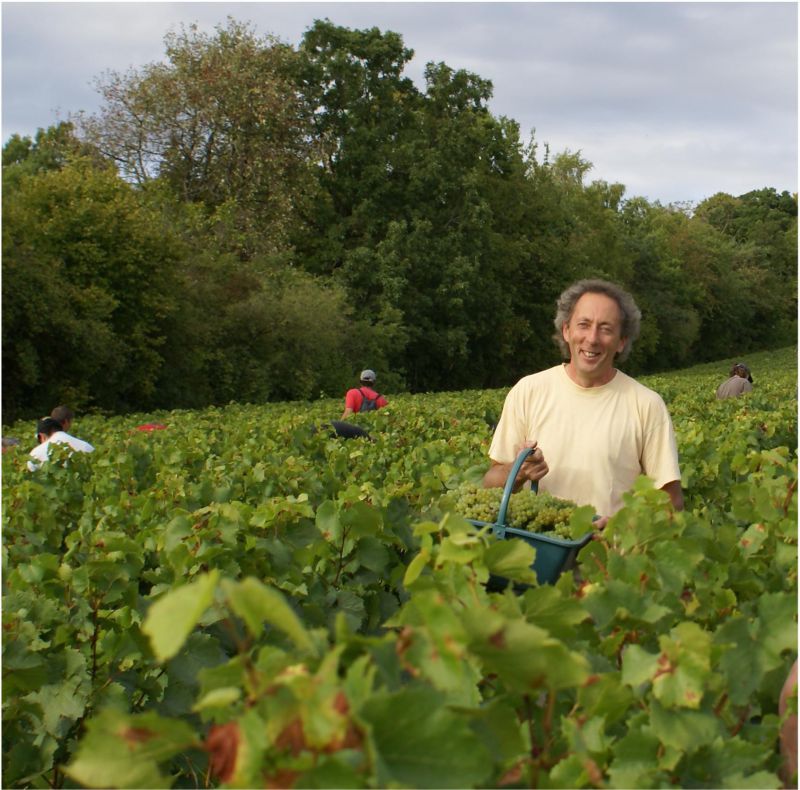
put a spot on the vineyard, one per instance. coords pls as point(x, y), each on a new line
point(243, 600)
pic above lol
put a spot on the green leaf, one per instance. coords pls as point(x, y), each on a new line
point(638, 666)
point(373, 554)
point(361, 519)
point(684, 666)
point(418, 742)
point(125, 751)
point(25, 761)
point(327, 521)
point(728, 759)
point(219, 698)
point(343, 770)
point(569, 772)
point(546, 607)
point(415, 567)
point(524, 656)
point(351, 604)
point(499, 729)
point(256, 604)
point(778, 623)
point(760, 780)
point(635, 761)
point(171, 618)
point(616, 600)
point(606, 696)
point(511, 559)
point(742, 662)
point(63, 703)
point(200, 651)
point(685, 730)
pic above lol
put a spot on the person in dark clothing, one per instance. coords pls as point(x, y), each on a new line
point(337, 429)
point(346, 430)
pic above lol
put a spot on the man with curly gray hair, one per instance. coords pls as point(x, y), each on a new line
point(598, 428)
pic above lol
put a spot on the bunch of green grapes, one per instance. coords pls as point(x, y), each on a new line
point(526, 509)
point(478, 503)
point(540, 513)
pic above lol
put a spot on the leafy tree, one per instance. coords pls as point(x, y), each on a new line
point(362, 110)
point(275, 220)
point(465, 237)
point(669, 300)
point(417, 200)
point(50, 149)
point(763, 226)
point(87, 282)
point(222, 124)
point(249, 338)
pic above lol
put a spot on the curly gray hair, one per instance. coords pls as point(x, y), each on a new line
point(631, 314)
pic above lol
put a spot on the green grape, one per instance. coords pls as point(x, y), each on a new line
point(527, 510)
point(540, 513)
point(478, 503)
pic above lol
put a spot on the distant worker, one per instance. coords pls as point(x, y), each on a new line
point(740, 381)
point(9, 442)
point(63, 415)
point(49, 431)
point(363, 398)
point(346, 430)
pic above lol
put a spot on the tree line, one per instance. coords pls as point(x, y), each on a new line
point(249, 221)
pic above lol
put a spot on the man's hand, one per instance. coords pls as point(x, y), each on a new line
point(599, 525)
point(533, 468)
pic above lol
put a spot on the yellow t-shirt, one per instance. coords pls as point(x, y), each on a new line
point(596, 440)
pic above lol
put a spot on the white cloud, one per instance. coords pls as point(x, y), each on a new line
point(675, 100)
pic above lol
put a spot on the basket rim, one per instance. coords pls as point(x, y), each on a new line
point(523, 533)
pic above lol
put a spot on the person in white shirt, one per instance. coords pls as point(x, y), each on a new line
point(597, 428)
point(49, 431)
point(64, 415)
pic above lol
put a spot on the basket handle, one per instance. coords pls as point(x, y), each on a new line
point(509, 487)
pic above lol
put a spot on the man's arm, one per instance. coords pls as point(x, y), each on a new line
point(350, 403)
point(675, 493)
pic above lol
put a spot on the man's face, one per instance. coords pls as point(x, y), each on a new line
point(594, 337)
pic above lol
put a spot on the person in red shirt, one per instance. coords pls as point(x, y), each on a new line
point(363, 398)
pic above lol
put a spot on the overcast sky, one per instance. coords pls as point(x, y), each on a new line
point(677, 101)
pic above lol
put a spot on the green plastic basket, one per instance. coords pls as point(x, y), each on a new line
point(553, 555)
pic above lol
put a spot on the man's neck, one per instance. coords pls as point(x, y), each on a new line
point(588, 382)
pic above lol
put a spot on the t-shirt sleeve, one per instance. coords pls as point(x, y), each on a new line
point(381, 402)
point(510, 431)
point(352, 400)
point(660, 453)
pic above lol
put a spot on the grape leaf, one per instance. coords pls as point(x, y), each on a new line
point(125, 751)
point(420, 743)
point(172, 617)
point(256, 603)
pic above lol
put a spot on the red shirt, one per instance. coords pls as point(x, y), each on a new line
point(354, 398)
